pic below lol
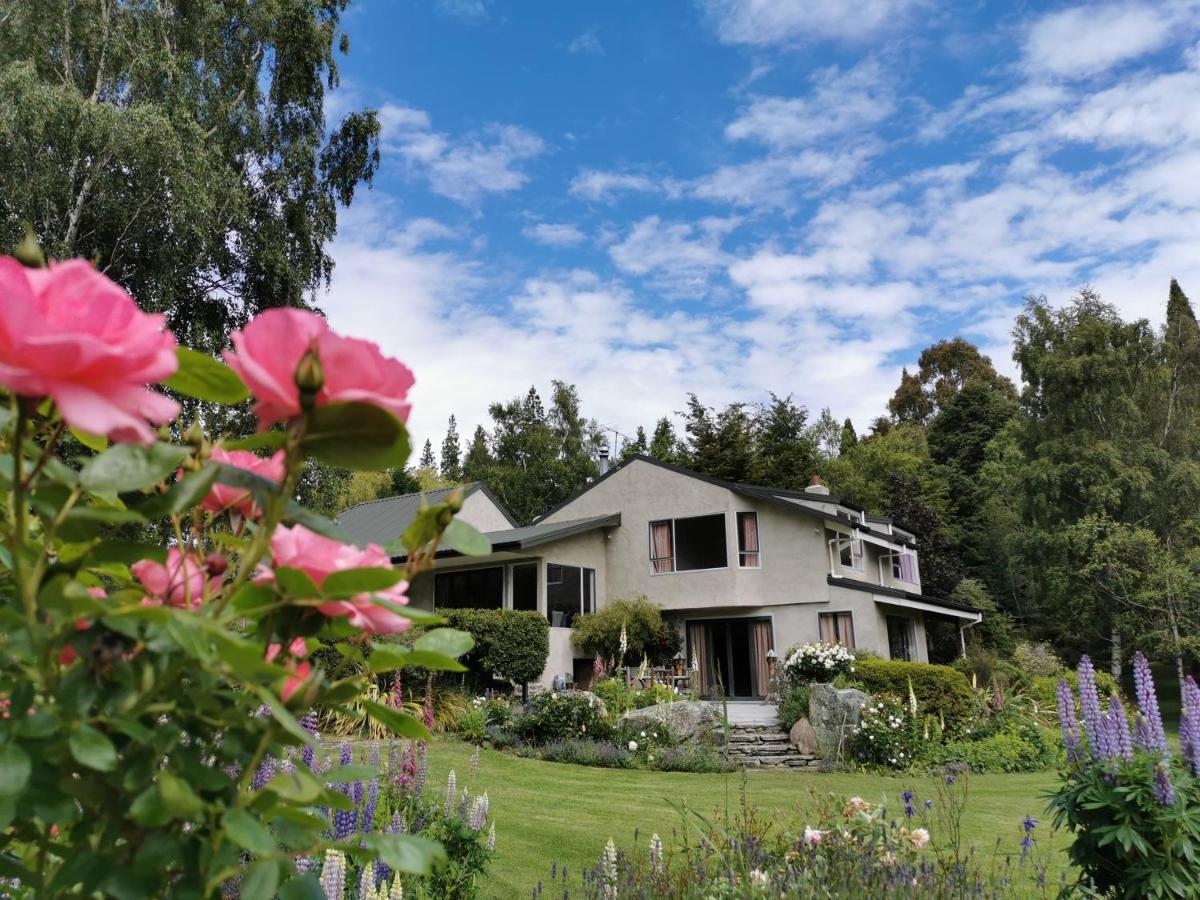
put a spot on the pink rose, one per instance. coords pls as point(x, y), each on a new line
point(267, 351)
point(318, 557)
point(72, 334)
point(224, 496)
point(184, 581)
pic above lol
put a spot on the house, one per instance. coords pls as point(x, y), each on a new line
point(740, 570)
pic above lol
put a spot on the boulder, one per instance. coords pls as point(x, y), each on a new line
point(833, 714)
point(685, 718)
point(804, 738)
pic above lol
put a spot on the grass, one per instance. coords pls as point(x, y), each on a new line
point(555, 813)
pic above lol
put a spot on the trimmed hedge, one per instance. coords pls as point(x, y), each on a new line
point(1044, 691)
point(940, 690)
point(510, 644)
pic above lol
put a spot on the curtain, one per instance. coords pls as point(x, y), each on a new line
point(856, 551)
point(828, 627)
point(697, 634)
point(906, 567)
point(749, 536)
point(662, 551)
point(760, 638)
point(845, 623)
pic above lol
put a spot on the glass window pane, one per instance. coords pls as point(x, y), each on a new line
point(524, 586)
point(563, 594)
point(469, 589)
point(589, 590)
point(700, 543)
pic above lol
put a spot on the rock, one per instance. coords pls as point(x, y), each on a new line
point(833, 714)
point(804, 738)
point(685, 718)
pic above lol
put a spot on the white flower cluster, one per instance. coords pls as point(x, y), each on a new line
point(813, 659)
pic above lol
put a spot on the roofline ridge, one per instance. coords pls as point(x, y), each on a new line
point(470, 484)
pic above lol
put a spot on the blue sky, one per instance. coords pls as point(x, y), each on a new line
point(731, 197)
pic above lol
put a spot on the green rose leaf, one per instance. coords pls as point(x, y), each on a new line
point(466, 539)
point(402, 724)
point(96, 442)
point(264, 440)
point(356, 436)
point(302, 887)
point(447, 641)
point(204, 378)
point(178, 798)
point(296, 583)
point(93, 749)
point(130, 467)
point(407, 852)
point(296, 786)
point(184, 494)
point(349, 582)
point(14, 770)
point(261, 881)
point(315, 522)
point(248, 832)
point(261, 489)
point(439, 662)
point(387, 657)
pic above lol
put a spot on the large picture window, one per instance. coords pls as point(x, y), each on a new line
point(570, 591)
point(686, 545)
point(469, 589)
point(837, 627)
point(525, 586)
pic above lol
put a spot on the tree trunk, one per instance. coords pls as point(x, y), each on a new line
point(1115, 665)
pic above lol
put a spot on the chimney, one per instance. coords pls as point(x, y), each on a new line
point(816, 487)
point(604, 461)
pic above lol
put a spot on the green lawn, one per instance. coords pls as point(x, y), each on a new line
point(550, 812)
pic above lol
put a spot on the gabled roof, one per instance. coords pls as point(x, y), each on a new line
point(383, 520)
point(529, 536)
point(781, 498)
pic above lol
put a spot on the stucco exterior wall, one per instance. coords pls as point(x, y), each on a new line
point(479, 510)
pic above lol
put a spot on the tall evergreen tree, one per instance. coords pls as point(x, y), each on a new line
point(451, 467)
point(719, 444)
point(427, 461)
point(478, 460)
point(784, 455)
point(637, 447)
point(664, 445)
point(849, 437)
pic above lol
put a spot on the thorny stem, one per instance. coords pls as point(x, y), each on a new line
point(46, 453)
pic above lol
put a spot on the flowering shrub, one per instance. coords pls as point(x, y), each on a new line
point(889, 734)
point(817, 662)
point(148, 686)
point(1132, 805)
point(556, 716)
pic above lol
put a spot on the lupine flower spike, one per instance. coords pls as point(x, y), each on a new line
point(1148, 733)
point(1066, 718)
point(1189, 724)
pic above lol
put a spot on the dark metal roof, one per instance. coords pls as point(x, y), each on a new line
point(381, 521)
point(855, 585)
point(530, 536)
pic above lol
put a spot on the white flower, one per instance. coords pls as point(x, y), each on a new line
point(633, 745)
point(643, 734)
point(919, 837)
point(812, 837)
point(758, 877)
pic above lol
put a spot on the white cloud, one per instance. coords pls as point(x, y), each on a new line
point(464, 168)
point(679, 258)
point(587, 42)
point(840, 101)
point(771, 182)
point(597, 184)
point(768, 22)
point(555, 234)
point(1154, 110)
point(467, 10)
point(1085, 40)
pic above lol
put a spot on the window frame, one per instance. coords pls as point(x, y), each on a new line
point(836, 616)
point(587, 591)
point(835, 552)
point(757, 554)
point(674, 557)
point(505, 596)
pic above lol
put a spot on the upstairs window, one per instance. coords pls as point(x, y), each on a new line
point(748, 540)
point(687, 545)
point(904, 567)
point(846, 550)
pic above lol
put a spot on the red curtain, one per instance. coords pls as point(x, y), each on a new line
point(662, 549)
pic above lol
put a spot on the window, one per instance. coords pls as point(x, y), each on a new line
point(525, 586)
point(904, 567)
point(748, 540)
point(837, 627)
point(685, 545)
point(570, 590)
point(469, 589)
point(900, 638)
point(847, 551)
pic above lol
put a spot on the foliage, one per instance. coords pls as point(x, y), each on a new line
point(599, 633)
point(940, 691)
point(817, 662)
point(1043, 689)
point(148, 684)
point(1015, 750)
point(995, 632)
point(135, 126)
point(472, 725)
point(1132, 806)
point(890, 734)
point(793, 705)
point(554, 716)
point(619, 697)
point(510, 644)
point(617, 755)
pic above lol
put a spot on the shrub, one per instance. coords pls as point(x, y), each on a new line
point(995, 632)
point(616, 694)
point(510, 644)
point(793, 705)
point(1131, 804)
point(559, 716)
point(472, 725)
point(1019, 749)
point(599, 633)
point(889, 735)
point(1043, 691)
point(1038, 659)
point(940, 690)
point(822, 662)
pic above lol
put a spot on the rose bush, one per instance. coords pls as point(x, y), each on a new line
point(819, 662)
point(145, 685)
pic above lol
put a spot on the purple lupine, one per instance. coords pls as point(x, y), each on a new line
point(1164, 793)
point(1027, 826)
point(333, 875)
point(1089, 704)
point(368, 818)
point(451, 793)
point(479, 812)
point(264, 773)
point(421, 775)
point(1122, 745)
point(1066, 718)
point(1148, 733)
point(474, 761)
point(909, 809)
point(309, 723)
point(1189, 724)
